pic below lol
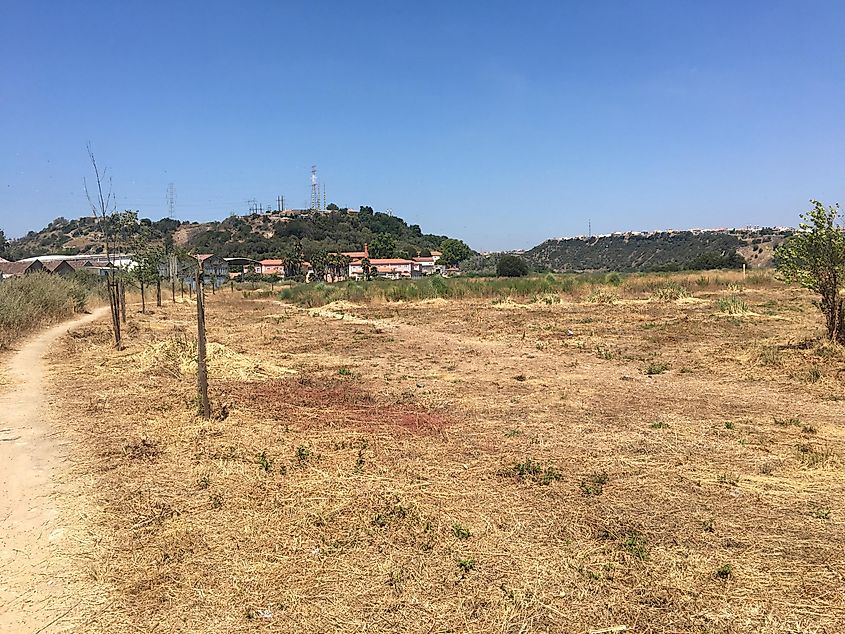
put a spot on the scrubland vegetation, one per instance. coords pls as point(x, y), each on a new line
point(29, 302)
point(545, 454)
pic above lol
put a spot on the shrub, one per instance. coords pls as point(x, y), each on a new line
point(31, 301)
point(511, 266)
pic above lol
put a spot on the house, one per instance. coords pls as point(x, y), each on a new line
point(215, 270)
point(238, 267)
point(429, 263)
point(16, 269)
point(271, 267)
point(391, 268)
point(59, 267)
point(358, 255)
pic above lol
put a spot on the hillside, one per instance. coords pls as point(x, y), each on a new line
point(256, 236)
point(658, 251)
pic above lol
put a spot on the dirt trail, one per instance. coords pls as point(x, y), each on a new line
point(33, 596)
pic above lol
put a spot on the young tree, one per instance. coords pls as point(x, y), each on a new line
point(4, 244)
point(814, 257)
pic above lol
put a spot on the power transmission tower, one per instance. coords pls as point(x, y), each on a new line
point(171, 198)
point(279, 202)
point(324, 195)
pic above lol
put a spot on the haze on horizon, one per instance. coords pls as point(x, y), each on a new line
point(495, 122)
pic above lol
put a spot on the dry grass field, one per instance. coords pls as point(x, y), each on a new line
point(621, 458)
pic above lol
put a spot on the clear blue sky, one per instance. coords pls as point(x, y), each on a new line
point(503, 123)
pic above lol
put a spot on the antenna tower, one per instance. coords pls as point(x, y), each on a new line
point(171, 198)
point(315, 189)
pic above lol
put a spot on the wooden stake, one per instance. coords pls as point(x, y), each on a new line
point(202, 368)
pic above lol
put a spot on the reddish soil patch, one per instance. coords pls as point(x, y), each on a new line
point(333, 403)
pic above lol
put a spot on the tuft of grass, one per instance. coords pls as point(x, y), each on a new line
point(460, 532)
point(303, 454)
point(659, 424)
point(601, 296)
point(655, 367)
point(813, 457)
point(729, 424)
point(594, 483)
point(344, 372)
point(733, 305)
point(670, 292)
point(724, 572)
point(731, 479)
point(513, 433)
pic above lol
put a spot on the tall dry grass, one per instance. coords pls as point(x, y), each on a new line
point(31, 301)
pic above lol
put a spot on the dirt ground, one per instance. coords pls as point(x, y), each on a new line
point(463, 466)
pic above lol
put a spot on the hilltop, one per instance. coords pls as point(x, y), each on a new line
point(257, 236)
point(659, 250)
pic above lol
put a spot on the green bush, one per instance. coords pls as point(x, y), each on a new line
point(511, 266)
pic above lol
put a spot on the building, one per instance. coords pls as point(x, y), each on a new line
point(215, 270)
point(429, 264)
point(391, 268)
point(271, 267)
point(17, 269)
point(59, 267)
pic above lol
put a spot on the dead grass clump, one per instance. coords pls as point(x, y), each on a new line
point(733, 305)
point(143, 449)
point(601, 295)
point(670, 292)
point(177, 356)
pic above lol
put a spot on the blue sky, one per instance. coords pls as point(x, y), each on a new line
point(503, 123)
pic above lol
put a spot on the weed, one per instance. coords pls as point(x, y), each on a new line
point(519, 377)
point(635, 545)
point(303, 454)
point(204, 482)
point(813, 457)
point(808, 429)
point(793, 421)
point(659, 424)
point(601, 296)
point(707, 526)
point(594, 483)
point(513, 433)
point(344, 371)
point(729, 424)
point(466, 565)
point(731, 479)
point(264, 462)
point(724, 572)
point(821, 514)
point(359, 461)
point(812, 375)
point(605, 353)
point(769, 356)
point(655, 367)
point(531, 470)
point(216, 500)
point(460, 532)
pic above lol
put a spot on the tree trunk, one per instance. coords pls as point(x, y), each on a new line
point(202, 370)
point(173, 289)
point(158, 292)
point(143, 298)
point(114, 302)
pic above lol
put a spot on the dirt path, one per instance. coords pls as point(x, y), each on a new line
point(33, 595)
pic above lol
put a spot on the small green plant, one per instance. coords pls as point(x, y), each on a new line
point(534, 471)
point(729, 424)
point(659, 424)
point(264, 462)
point(655, 367)
point(460, 532)
point(303, 454)
point(466, 565)
point(635, 545)
point(344, 371)
point(513, 433)
point(594, 483)
point(216, 500)
point(724, 572)
point(821, 514)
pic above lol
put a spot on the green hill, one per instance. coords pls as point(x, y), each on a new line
point(658, 251)
point(258, 236)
